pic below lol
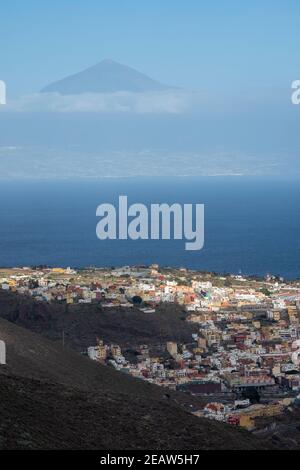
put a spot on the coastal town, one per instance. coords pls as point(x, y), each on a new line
point(243, 358)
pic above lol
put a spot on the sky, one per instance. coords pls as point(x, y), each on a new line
point(197, 45)
point(233, 63)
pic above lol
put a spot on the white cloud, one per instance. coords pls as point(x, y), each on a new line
point(171, 101)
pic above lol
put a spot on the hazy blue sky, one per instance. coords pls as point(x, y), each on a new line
point(239, 57)
point(192, 44)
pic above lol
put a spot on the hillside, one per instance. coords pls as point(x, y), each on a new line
point(54, 398)
point(82, 324)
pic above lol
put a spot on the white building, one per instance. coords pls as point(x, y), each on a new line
point(2, 353)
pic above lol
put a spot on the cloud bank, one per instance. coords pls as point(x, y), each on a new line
point(170, 101)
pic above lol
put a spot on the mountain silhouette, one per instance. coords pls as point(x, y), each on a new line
point(106, 77)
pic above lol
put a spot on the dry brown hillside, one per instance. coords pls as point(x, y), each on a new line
point(55, 398)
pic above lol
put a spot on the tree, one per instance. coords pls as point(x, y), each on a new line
point(137, 300)
point(265, 291)
point(252, 394)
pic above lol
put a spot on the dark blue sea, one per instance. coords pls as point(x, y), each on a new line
point(252, 225)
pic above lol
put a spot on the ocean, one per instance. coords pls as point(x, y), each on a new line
point(252, 224)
